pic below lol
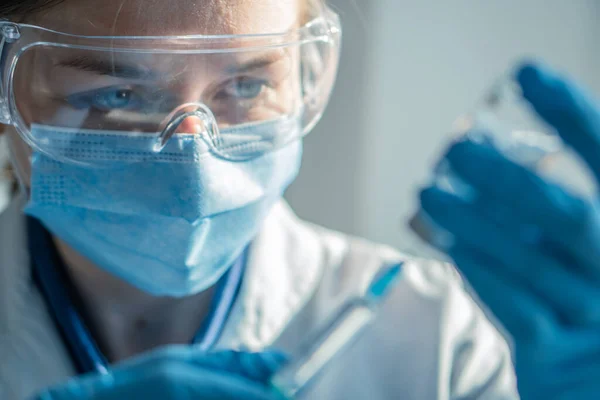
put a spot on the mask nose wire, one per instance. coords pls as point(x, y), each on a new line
point(209, 125)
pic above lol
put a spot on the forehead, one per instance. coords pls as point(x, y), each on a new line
point(171, 17)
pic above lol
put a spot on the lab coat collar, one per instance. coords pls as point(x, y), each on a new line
point(285, 265)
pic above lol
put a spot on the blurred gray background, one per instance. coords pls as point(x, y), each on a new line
point(408, 69)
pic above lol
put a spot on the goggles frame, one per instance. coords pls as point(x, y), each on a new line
point(17, 38)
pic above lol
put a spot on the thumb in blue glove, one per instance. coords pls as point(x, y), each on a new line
point(177, 373)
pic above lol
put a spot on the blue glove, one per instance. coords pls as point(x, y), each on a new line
point(177, 373)
point(530, 249)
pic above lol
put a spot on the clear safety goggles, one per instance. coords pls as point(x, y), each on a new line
point(56, 88)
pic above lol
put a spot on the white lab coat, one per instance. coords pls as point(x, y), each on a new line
point(430, 342)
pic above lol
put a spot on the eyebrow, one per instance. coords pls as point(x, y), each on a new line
point(126, 71)
point(104, 67)
point(262, 61)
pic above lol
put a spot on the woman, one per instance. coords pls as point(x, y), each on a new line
point(153, 141)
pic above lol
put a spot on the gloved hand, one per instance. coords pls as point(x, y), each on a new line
point(530, 249)
point(177, 373)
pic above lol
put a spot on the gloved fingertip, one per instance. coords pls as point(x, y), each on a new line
point(428, 197)
point(476, 144)
point(435, 200)
point(260, 366)
point(474, 160)
point(460, 151)
point(531, 73)
point(274, 359)
point(545, 88)
point(45, 395)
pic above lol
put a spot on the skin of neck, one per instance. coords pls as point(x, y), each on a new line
point(126, 321)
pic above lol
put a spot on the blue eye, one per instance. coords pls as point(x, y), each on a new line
point(245, 88)
point(106, 100)
point(118, 99)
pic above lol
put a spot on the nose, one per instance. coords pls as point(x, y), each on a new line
point(189, 119)
point(191, 125)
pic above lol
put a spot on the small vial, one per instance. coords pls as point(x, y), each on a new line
point(504, 120)
point(339, 333)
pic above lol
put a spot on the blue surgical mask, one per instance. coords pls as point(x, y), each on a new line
point(169, 223)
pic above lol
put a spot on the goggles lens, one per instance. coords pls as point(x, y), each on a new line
point(167, 86)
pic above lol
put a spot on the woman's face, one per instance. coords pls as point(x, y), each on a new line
point(63, 87)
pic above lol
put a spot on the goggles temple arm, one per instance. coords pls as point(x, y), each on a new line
point(9, 33)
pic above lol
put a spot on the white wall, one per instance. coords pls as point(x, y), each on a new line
point(425, 63)
point(327, 190)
